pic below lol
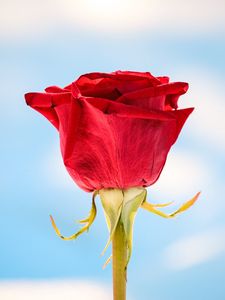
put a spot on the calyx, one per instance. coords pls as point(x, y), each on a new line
point(121, 205)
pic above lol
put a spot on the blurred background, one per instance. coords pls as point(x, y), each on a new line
point(52, 43)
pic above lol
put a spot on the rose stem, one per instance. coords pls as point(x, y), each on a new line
point(119, 259)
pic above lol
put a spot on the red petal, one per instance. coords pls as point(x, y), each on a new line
point(100, 84)
point(130, 75)
point(45, 103)
point(120, 133)
point(123, 110)
point(163, 79)
point(55, 89)
point(158, 98)
point(110, 150)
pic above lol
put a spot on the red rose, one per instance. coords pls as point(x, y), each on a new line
point(115, 129)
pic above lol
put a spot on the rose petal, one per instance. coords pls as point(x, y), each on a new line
point(55, 89)
point(162, 97)
point(98, 84)
point(107, 150)
point(121, 109)
point(130, 75)
point(115, 129)
point(163, 79)
point(46, 100)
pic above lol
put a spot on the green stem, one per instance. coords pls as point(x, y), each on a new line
point(119, 259)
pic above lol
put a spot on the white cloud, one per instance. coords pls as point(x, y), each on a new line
point(207, 95)
point(26, 18)
point(130, 15)
point(193, 250)
point(184, 172)
point(21, 18)
point(53, 290)
point(53, 169)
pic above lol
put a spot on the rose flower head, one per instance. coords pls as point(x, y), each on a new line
point(115, 131)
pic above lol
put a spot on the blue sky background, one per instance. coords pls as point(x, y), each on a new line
point(52, 43)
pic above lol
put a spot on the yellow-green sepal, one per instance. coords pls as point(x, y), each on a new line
point(112, 202)
point(122, 205)
point(185, 206)
point(88, 222)
point(133, 199)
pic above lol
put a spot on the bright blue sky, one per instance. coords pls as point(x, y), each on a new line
point(42, 47)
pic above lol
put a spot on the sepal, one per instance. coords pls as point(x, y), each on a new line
point(88, 222)
point(121, 205)
point(152, 207)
